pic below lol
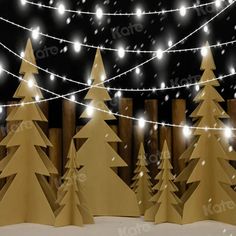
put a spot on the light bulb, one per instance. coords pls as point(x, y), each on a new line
point(186, 131)
point(99, 13)
point(182, 11)
point(121, 52)
point(159, 53)
point(77, 46)
point(141, 122)
point(61, 9)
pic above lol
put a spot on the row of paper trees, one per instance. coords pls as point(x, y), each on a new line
point(27, 196)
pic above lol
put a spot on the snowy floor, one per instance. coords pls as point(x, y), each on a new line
point(117, 226)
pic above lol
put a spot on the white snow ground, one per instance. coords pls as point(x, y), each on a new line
point(122, 226)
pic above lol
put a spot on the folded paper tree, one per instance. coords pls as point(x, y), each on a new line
point(142, 185)
point(209, 174)
point(105, 192)
point(167, 206)
point(73, 205)
point(27, 196)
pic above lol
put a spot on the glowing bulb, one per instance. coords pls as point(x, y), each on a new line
point(141, 122)
point(186, 131)
point(137, 71)
point(1, 109)
point(89, 81)
point(23, 2)
point(218, 3)
point(37, 98)
point(121, 52)
point(228, 132)
point(72, 98)
point(77, 46)
point(204, 51)
point(163, 85)
point(1, 69)
point(35, 33)
point(182, 11)
point(22, 54)
point(52, 77)
point(197, 88)
point(30, 83)
point(99, 13)
point(89, 111)
point(170, 43)
point(232, 70)
point(206, 29)
point(139, 12)
point(61, 9)
point(159, 54)
point(103, 78)
point(118, 94)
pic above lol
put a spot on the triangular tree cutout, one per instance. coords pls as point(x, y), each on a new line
point(27, 196)
point(142, 185)
point(73, 207)
point(105, 192)
point(167, 206)
point(208, 174)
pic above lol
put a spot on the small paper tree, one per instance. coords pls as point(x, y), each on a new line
point(142, 185)
point(27, 196)
point(167, 206)
point(208, 173)
point(73, 207)
point(106, 193)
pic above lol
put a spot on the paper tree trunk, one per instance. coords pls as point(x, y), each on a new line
point(167, 206)
point(105, 192)
point(27, 196)
point(142, 185)
point(209, 175)
point(73, 206)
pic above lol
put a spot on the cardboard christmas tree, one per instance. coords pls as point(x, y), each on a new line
point(142, 185)
point(167, 206)
point(208, 173)
point(105, 192)
point(73, 207)
point(27, 196)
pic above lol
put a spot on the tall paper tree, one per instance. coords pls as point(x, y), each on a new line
point(73, 207)
point(167, 206)
point(142, 185)
point(208, 173)
point(27, 196)
point(106, 193)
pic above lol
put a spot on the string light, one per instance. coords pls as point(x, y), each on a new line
point(122, 14)
point(218, 45)
point(22, 54)
point(170, 43)
point(109, 112)
point(1, 109)
point(206, 29)
point(232, 70)
point(1, 69)
point(72, 98)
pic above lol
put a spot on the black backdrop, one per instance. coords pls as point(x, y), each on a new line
point(154, 31)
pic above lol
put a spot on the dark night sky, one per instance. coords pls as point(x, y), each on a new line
point(156, 31)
